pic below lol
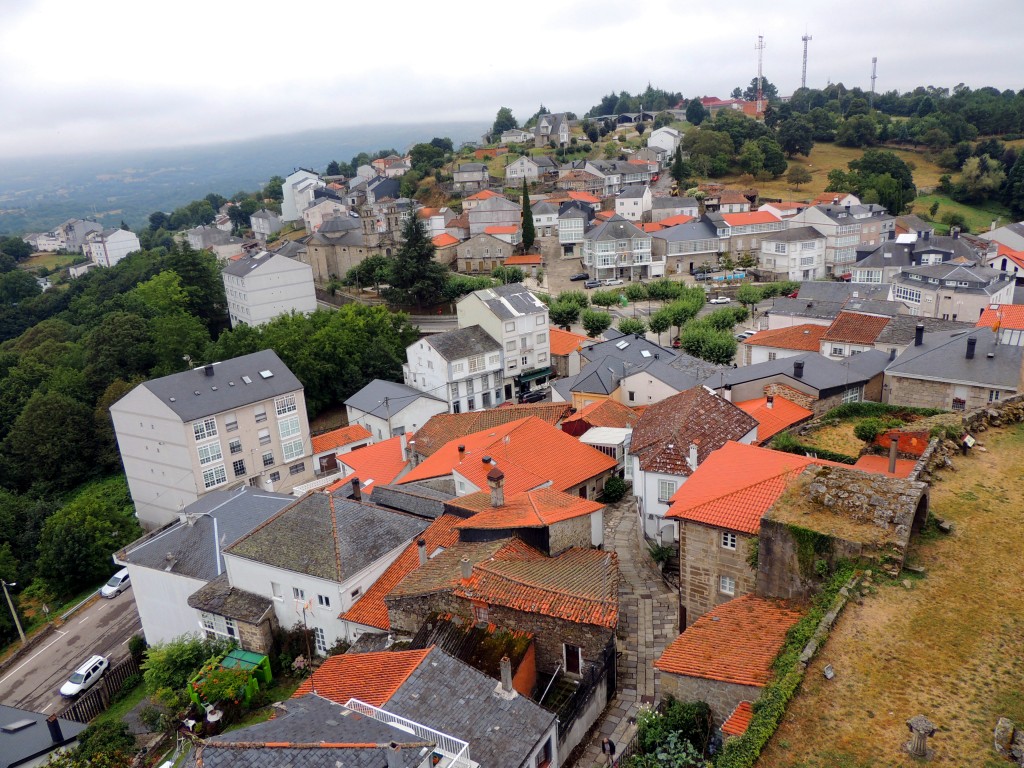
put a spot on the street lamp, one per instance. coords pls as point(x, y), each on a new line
point(14, 613)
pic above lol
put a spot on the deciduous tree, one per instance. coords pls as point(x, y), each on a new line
point(595, 322)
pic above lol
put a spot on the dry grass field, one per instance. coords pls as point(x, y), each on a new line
point(950, 648)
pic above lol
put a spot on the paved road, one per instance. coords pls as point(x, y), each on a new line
point(103, 627)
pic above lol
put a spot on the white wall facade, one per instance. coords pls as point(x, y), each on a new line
point(297, 193)
point(752, 354)
point(804, 260)
point(278, 286)
point(161, 598)
point(108, 251)
point(409, 419)
point(467, 384)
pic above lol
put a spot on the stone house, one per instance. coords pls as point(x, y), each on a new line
point(494, 211)
point(481, 254)
point(471, 177)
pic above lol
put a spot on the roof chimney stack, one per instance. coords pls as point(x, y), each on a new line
point(462, 452)
point(918, 335)
point(692, 459)
point(506, 674)
point(927, 235)
point(892, 354)
point(208, 370)
point(357, 493)
point(770, 401)
point(467, 568)
point(56, 734)
point(394, 756)
point(727, 393)
point(798, 369)
point(496, 482)
point(421, 545)
point(971, 344)
point(955, 232)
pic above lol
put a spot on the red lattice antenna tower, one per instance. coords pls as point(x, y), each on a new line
point(803, 74)
point(760, 75)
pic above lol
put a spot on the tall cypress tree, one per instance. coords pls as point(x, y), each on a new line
point(529, 231)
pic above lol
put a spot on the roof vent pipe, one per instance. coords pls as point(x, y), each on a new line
point(918, 335)
point(467, 568)
point(971, 344)
point(506, 674)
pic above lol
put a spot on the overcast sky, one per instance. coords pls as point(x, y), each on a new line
point(124, 74)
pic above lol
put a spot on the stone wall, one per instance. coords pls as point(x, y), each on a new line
point(702, 559)
point(569, 533)
point(779, 572)
point(721, 697)
point(779, 389)
point(258, 637)
point(933, 394)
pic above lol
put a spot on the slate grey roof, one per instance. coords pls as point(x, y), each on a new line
point(33, 740)
point(462, 343)
point(910, 254)
point(943, 357)
point(327, 536)
point(414, 498)
point(339, 224)
point(826, 290)
point(193, 394)
point(674, 202)
point(194, 547)
point(825, 310)
point(794, 235)
point(247, 264)
point(901, 329)
point(634, 349)
point(698, 229)
point(979, 279)
point(616, 228)
point(263, 213)
point(873, 307)
point(291, 249)
point(220, 598)
point(370, 399)
point(311, 719)
point(350, 237)
point(450, 696)
point(564, 388)
point(543, 208)
point(544, 161)
point(471, 167)
point(633, 190)
point(819, 373)
point(510, 301)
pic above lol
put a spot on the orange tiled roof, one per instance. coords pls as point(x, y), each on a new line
point(459, 222)
point(674, 221)
point(731, 196)
point(738, 722)
point(378, 463)
point(370, 677)
point(826, 198)
point(585, 197)
point(370, 609)
point(499, 229)
point(652, 226)
point(529, 451)
point(1006, 315)
point(736, 485)
point(750, 217)
point(444, 240)
point(1017, 257)
point(879, 465)
point(606, 413)
point(340, 437)
point(524, 260)
point(770, 421)
point(856, 328)
point(604, 215)
point(565, 342)
point(445, 427)
point(426, 213)
point(484, 194)
point(736, 642)
point(531, 509)
point(806, 338)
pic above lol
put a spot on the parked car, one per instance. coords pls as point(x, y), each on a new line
point(745, 335)
point(719, 300)
point(533, 396)
point(84, 677)
point(118, 583)
point(612, 281)
point(593, 284)
point(579, 276)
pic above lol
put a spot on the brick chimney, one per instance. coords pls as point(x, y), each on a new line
point(357, 493)
point(496, 482)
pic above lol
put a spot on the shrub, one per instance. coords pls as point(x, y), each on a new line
point(169, 666)
point(104, 739)
point(614, 489)
point(129, 685)
point(868, 429)
point(660, 554)
point(137, 647)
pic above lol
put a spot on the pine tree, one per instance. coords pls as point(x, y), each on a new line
point(680, 170)
point(529, 231)
point(416, 278)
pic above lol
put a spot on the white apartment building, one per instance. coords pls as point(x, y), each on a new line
point(297, 191)
point(794, 254)
point(462, 367)
point(267, 285)
point(219, 426)
point(633, 202)
point(108, 247)
point(518, 321)
point(617, 248)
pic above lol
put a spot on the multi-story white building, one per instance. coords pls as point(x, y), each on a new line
point(617, 248)
point(388, 409)
point(793, 254)
point(572, 225)
point(108, 247)
point(518, 321)
point(665, 138)
point(463, 367)
point(633, 202)
point(951, 291)
point(266, 285)
point(264, 223)
point(218, 426)
point(297, 193)
point(846, 228)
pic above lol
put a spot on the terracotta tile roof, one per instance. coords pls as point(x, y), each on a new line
point(565, 342)
point(340, 437)
point(531, 509)
point(606, 413)
point(529, 451)
point(444, 570)
point(663, 435)
point(584, 197)
point(426, 213)
point(751, 217)
point(579, 585)
point(855, 328)
point(826, 198)
point(499, 229)
point(370, 609)
point(1006, 315)
point(484, 194)
point(444, 240)
point(738, 722)
point(524, 260)
point(911, 442)
point(369, 677)
point(674, 221)
point(1017, 257)
point(731, 196)
point(378, 463)
point(445, 427)
point(459, 222)
point(736, 642)
point(604, 215)
point(652, 226)
point(879, 465)
point(806, 338)
point(770, 421)
point(736, 486)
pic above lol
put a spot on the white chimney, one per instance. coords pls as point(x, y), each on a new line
point(467, 568)
point(421, 545)
point(770, 401)
point(506, 674)
point(727, 393)
point(692, 460)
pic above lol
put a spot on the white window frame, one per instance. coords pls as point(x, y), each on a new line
point(321, 640)
point(666, 484)
point(292, 450)
point(214, 476)
point(288, 427)
point(205, 429)
point(209, 453)
point(285, 405)
point(324, 601)
point(727, 585)
point(260, 413)
point(728, 540)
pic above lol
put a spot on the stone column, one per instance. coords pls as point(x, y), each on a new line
point(920, 729)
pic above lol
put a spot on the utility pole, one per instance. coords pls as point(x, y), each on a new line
point(874, 70)
point(760, 75)
point(803, 75)
point(14, 613)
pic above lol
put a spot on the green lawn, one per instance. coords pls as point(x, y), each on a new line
point(119, 709)
point(49, 260)
point(979, 217)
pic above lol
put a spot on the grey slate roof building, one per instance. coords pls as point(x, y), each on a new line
point(793, 235)
point(327, 536)
point(820, 373)
point(415, 498)
point(510, 301)
point(633, 190)
point(26, 737)
point(674, 202)
point(383, 398)
point(959, 278)
point(314, 732)
point(942, 356)
point(616, 228)
point(220, 598)
point(901, 329)
point(826, 290)
point(218, 519)
point(462, 343)
point(225, 385)
point(543, 208)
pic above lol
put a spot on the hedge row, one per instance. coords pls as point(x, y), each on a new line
point(854, 410)
point(786, 443)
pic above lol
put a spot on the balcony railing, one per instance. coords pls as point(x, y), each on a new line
point(456, 750)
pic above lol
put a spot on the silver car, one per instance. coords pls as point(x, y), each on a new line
point(118, 583)
point(84, 677)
